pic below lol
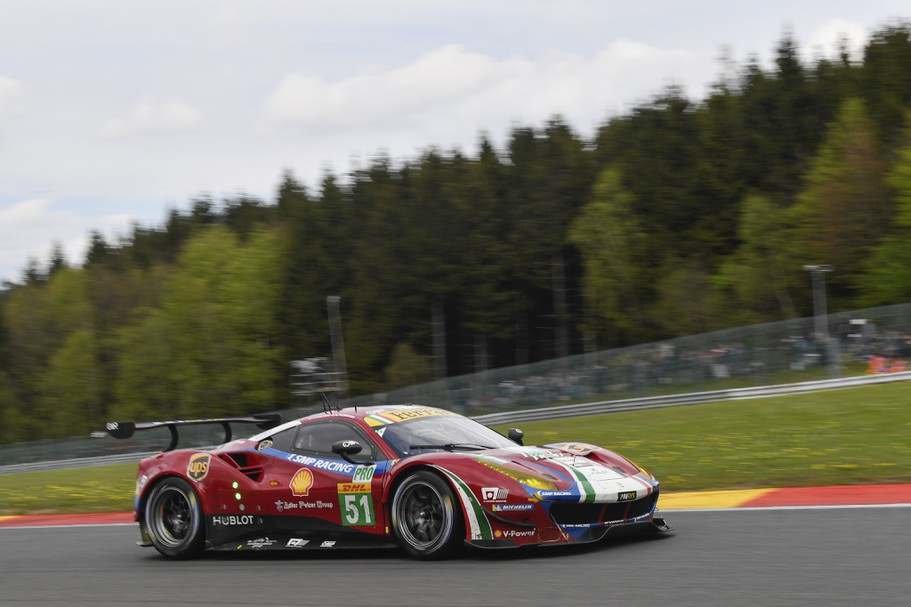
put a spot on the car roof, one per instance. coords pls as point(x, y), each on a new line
point(372, 415)
point(362, 412)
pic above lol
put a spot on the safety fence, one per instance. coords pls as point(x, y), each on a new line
point(874, 340)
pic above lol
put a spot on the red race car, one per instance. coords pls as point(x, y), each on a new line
point(421, 477)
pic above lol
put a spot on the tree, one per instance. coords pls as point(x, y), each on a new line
point(57, 261)
point(38, 318)
point(407, 367)
point(12, 425)
point(683, 299)
point(614, 250)
point(886, 81)
point(844, 208)
point(98, 251)
point(888, 277)
point(71, 389)
point(755, 282)
point(144, 384)
point(212, 347)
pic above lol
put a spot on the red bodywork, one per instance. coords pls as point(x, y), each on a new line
point(254, 496)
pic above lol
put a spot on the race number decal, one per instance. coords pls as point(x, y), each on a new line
point(356, 504)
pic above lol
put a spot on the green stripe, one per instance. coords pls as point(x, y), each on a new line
point(483, 523)
point(586, 486)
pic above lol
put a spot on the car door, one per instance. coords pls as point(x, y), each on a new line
point(315, 488)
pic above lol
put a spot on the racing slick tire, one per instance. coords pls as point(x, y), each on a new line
point(426, 517)
point(174, 520)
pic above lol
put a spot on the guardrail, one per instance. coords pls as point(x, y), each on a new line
point(592, 408)
point(78, 462)
point(693, 398)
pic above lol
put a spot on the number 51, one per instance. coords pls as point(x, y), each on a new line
point(358, 509)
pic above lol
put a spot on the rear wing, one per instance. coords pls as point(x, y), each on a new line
point(127, 429)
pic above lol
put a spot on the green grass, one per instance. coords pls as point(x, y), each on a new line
point(834, 437)
point(93, 489)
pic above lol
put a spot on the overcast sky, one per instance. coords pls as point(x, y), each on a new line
point(115, 111)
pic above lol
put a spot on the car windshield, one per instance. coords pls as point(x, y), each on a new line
point(441, 433)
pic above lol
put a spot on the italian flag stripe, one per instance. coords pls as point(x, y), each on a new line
point(588, 491)
point(477, 517)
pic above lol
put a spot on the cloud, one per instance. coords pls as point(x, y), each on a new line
point(10, 91)
point(29, 227)
point(454, 85)
point(825, 38)
point(153, 116)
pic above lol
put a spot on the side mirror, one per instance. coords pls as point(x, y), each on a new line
point(516, 436)
point(347, 448)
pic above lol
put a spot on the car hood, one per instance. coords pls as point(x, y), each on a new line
point(562, 472)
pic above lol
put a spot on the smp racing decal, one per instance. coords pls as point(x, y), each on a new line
point(198, 466)
point(329, 465)
point(301, 483)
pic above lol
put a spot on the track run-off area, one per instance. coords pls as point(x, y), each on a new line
point(787, 555)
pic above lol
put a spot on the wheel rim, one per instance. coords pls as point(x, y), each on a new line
point(423, 518)
point(173, 517)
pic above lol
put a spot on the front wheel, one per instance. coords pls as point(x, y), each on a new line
point(425, 517)
point(173, 518)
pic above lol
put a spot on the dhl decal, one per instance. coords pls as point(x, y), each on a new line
point(354, 487)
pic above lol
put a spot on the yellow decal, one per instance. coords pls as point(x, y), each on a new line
point(532, 480)
point(354, 487)
point(198, 466)
point(301, 482)
point(392, 416)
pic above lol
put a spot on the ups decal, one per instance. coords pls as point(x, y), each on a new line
point(198, 466)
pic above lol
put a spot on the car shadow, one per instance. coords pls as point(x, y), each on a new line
point(616, 539)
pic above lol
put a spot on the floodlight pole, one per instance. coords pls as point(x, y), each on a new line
point(821, 313)
point(338, 342)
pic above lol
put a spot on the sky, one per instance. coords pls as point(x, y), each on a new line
point(114, 112)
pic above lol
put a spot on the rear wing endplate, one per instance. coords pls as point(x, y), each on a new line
point(126, 429)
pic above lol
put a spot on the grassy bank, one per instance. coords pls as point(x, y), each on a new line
point(834, 437)
point(93, 489)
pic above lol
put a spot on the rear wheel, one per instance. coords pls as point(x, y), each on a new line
point(173, 518)
point(426, 518)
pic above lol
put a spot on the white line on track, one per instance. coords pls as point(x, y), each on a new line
point(2, 528)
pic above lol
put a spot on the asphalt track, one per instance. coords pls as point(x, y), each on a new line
point(841, 556)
